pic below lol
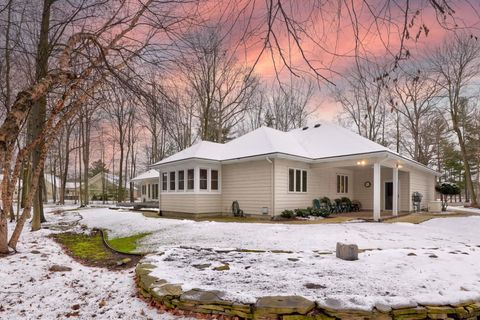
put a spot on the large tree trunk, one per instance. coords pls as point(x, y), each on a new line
point(468, 174)
point(85, 135)
point(120, 175)
point(65, 166)
point(38, 113)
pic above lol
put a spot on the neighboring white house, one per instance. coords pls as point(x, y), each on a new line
point(148, 183)
point(268, 171)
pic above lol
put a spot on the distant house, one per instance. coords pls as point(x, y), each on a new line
point(104, 183)
point(268, 171)
point(148, 185)
point(52, 188)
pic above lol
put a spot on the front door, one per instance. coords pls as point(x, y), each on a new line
point(388, 195)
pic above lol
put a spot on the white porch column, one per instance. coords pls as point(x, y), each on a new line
point(395, 192)
point(376, 191)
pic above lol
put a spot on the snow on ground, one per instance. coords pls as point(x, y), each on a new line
point(294, 237)
point(30, 291)
point(432, 276)
point(435, 262)
point(463, 209)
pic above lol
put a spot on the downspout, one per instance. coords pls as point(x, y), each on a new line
point(272, 185)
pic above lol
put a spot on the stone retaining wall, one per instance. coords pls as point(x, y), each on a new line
point(203, 303)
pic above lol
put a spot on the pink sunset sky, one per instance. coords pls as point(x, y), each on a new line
point(328, 42)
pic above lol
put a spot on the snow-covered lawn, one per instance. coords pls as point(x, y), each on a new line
point(444, 232)
point(435, 262)
point(463, 209)
point(30, 291)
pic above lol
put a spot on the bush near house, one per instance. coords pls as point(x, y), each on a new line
point(446, 190)
point(287, 214)
point(305, 213)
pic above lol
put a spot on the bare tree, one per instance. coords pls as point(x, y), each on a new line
point(414, 94)
point(220, 86)
point(457, 64)
point(121, 110)
point(87, 58)
point(363, 99)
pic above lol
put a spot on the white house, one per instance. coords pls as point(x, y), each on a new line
point(268, 171)
point(148, 182)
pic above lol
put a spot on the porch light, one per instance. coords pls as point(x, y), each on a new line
point(361, 163)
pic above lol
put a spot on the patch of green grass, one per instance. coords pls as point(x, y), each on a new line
point(127, 244)
point(85, 247)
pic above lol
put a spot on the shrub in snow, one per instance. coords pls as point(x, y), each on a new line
point(322, 212)
point(445, 190)
point(302, 213)
point(288, 214)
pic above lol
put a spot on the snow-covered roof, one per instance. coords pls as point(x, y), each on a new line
point(315, 142)
point(150, 174)
point(320, 141)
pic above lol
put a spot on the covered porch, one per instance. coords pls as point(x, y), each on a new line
point(380, 184)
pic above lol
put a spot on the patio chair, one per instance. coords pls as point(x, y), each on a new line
point(346, 204)
point(356, 205)
point(327, 203)
point(338, 205)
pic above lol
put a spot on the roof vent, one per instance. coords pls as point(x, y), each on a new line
point(304, 128)
point(317, 125)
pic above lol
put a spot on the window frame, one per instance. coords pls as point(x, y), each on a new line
point(170, 181)
point(217, 180)
point(342, 183)
point(190, 180)
point(207, 180)
point(183, 181)
point(164, 181)
point(155, 188)
point(298, 173)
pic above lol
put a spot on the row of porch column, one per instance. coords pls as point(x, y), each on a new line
point(377, 191)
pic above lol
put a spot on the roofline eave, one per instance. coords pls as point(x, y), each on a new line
point(304, 159)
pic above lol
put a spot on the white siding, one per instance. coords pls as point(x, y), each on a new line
point(321, 182)
point(292, 200)
point(423, 183)
point(249, 183)
point(365, 195)
point(178, 202)
point(209, 203)
point(189, 202)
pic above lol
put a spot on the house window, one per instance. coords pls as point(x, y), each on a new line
point(342, 183)
point(143, 189)
point(155, 191)
point(172, 181)
point(297, 180)
point(190, 179)
point(181, 180)
point(214, 180)
point(203, 179)
point(291, 180)
point(164, 181)
point(304, 180)
point(149, 190)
